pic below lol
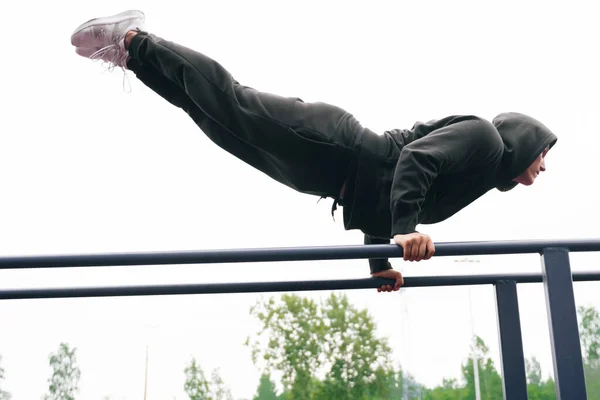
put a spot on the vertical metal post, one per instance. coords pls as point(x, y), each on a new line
point(564, 330)
point(514, 377)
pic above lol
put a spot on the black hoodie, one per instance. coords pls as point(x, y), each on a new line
point(428, 173)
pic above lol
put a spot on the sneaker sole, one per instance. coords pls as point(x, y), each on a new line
point(113, 19)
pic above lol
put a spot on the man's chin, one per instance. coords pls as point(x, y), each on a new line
point(525, 182)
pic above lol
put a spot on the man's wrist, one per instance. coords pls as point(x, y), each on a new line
point(381, 266)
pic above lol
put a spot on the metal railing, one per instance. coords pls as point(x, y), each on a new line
point(556, 277)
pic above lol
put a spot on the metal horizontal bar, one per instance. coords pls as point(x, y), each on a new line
point(253, 287)
point(288, 254)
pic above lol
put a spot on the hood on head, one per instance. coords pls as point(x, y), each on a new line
point(525, 138)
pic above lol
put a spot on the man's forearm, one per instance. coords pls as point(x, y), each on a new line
point(378, 264)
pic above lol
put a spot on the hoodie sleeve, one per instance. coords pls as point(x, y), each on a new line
point(460, 146)
point(378, 264)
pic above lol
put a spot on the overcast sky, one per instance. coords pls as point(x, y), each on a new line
point(87, 168)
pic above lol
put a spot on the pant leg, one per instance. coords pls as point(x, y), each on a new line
point(307, 146)
point(177, 97)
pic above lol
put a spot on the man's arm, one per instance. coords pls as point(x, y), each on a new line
point(464, 145)
point(378, 264)
point(381, 268)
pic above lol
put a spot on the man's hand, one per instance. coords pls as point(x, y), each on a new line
point(417, 246)
point(389, 274)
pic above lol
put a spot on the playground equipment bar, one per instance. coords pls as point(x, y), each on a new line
point(289, 254)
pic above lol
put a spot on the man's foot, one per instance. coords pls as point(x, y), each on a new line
point(106, 31)
point(104, 38)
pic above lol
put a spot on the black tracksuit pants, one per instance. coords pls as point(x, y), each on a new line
point(306, 146)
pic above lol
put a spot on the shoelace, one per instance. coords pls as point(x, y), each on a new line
point(117, 59)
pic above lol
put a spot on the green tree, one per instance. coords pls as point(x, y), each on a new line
point(352, 350)
point(592, 382)
point(196, 386)
point(537, 389)
point(293, 329)
point(414, 390)
point(489, 379)
point(65, 374)
point(4, 395)
point(303, 339)
point(589, 331)
point(266, 389)
point(544, 391)
point(448, 390)
point(534, 371)
point(218, 390)
point(386, 384)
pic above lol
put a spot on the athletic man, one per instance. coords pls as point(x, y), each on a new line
point(387, 184)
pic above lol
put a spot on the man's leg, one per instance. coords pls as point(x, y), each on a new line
point(308, 143)
point(174, 95)
point(307, 146)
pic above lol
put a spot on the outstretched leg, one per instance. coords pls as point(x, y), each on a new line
point(307, 146)
point(173, 94)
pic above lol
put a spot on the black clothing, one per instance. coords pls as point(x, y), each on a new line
point(392, 182)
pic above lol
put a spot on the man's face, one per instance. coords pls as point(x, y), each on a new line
point(528, 176)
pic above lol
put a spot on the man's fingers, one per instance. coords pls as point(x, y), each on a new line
point(422, 250)
point(384, 288)
point(430, 249)
point(399, 282)
point(414, 249)
point(392, 275)
point(406, 248)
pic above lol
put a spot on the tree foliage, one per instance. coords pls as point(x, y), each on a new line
point(330, 350)
point(196, 386)
point(293, 329)
point(266, 389)
point(64, 382)
point(218, 390)
point(490, 381)
point(589, 331)
point(534, 371)
point(327, 350)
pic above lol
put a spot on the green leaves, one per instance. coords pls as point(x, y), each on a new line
point(352, 350)
point(197, 387)
point(218, 389)
point(289, 338)
point(589, 330)
point(534, 371)
point(266, 389)
point(63, 384)
point(304, 340)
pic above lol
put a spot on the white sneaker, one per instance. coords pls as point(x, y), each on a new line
point(102, 32)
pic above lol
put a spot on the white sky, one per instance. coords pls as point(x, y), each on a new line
point(89, 168)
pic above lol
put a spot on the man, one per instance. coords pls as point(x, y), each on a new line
point(387, 184)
